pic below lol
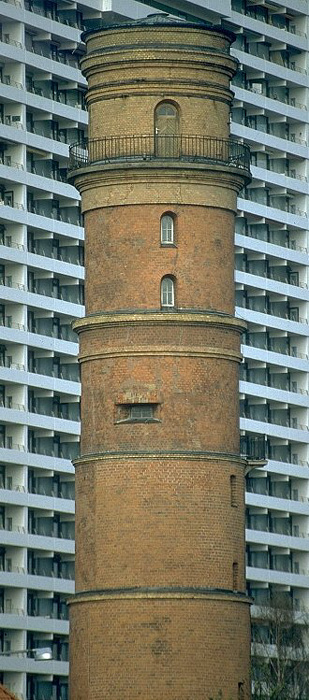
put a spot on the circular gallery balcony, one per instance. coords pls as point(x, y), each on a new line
point(113, 150)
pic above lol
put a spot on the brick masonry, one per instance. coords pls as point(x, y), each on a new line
point(160, 611)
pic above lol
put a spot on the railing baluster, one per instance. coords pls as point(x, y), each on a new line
point(161, 146)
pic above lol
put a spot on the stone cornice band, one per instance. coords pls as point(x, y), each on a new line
point(154, 318)
point(157, 592)
point(163, 351)
point(182, 455)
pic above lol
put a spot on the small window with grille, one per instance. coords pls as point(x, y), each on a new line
point(141, 412)
point(137, 413)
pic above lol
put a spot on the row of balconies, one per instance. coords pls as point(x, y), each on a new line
point(267, 376)
point(281, 166)
point(51, 287)
point(263, 268)
point(293, 239)
point(263, 595)
point(283, 345)
point(277, 562)
point(48, 49)
point(44, 207)
point(53, 367)
point(53, 406)
point(53, 486)
point(38, 689)
point(52, 327)
point(53, 606)
point(69, 93)
point(53, 567)
point(272, 67)
point(49, 326)
point(52, 446)
point(45, 527)
point(295, 24)
point(70, 96)
point(276, 200)
point(71, 214)
point(264, 304)
point(264, 340)
point(268, 485)
point(73, 293)
point(38, 364)
point(47, 247)
point(284, 129)
point(276, 450)
point(293, 96)
point(287, 453)
point(41, 567)
point(265, 413)
point(50, 248)
point(49, 527)
point(51, 129)
point(46, 168)
point(288, 57)
point(53, 210)
point(51, 10)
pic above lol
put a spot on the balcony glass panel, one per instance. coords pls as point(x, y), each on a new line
point(258, 522)
point(281, 526)
point(259, 560)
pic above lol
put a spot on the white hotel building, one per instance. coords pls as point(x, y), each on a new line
point(41, 290)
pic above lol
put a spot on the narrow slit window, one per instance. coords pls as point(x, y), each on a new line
point(167, 292)
point(233, 490)
point(241, 690)
point(235, 576)
point(167, 229)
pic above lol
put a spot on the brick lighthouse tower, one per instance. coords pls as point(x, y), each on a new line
point(160, 611)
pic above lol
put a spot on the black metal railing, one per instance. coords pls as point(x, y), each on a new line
point(193, 149)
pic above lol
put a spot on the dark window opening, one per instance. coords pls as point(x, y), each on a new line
point(137, 413)
point(233, 490)
point(235, 576)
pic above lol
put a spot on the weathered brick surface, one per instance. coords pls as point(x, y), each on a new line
point(158, 522)
point(166, 649)
point(126, 83)
point(196, 398)
point(125, 260)
point(160, 611)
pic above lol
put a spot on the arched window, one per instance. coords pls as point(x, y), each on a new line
point(166, 130)
point(167, 229)
point(167, 292)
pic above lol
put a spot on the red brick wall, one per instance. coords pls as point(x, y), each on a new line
point(125, 261)
point(154, 503)
point(161, 649)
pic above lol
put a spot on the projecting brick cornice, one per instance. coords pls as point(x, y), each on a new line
point(160, 455)
point(154, 318)
point(165, 592)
